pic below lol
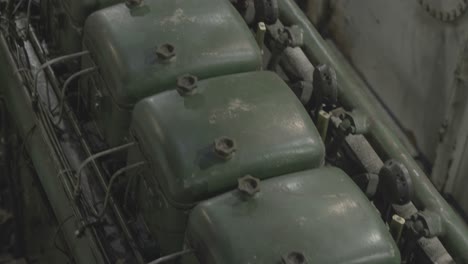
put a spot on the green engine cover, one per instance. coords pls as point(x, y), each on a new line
point(320, 214)
point(273, 133)
point(209, 38)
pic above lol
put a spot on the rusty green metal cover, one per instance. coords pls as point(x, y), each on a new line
point(273, 134)
point(209, 38)
point(320, 214)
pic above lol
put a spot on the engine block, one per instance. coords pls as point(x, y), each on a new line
point(208, 131)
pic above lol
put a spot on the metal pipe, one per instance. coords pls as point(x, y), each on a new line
point(353, 94)
point(42, 154)
point(53, 61)
point(111, 183)
point(96, 156)
point(74, 126)
point(171, 256)
point(65, 88)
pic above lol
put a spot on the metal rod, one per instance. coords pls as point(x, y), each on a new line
point(53, 61)
point(65, 88)
point(95, 156)
point(353, 93)
point(111, 183)
point(171, 256)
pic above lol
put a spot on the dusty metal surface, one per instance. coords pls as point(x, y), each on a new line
point(405, 55)
point(412, 55)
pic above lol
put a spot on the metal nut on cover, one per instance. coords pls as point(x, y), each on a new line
point(166, 52)
point(225, 147)
point(249, 185)
point(294, 258)
point(187, 84)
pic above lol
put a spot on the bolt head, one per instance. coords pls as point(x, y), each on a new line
point(225, 147)
point(186, 84)
point(166, 52)
point(249, 185)
point(294, 258)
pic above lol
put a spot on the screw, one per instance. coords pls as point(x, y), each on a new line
point(186, 84)
point(133, 3)
point(294, 258)
point(248, 185)
point(225, 147)
point(166, 52)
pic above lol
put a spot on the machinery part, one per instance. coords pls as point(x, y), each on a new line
point(353, 94)
point(426, 223)
point(396, 227)
point(368, 183)
point(44, 157)
point(395, 183)
point(266, 11)
point(166, 52)
point(364, 153)
point(325, 87)
point(260, 35)
point(65, 88)
point(294, 258)
point(52, 62)
point(111, 183)
point(200, 45)
point(297, 198)
point(187, 84)
point(342, 127)
point(93, 157)
point(323, 121)
point(243, 107)
point(444, 10)
point(359, 122)
point(171, 256)
point(248, 185)
point(304, 90)
point(225, 147)
point(283, 37)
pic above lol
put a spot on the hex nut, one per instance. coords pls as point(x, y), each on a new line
point(225, 147)
point(187, 84)
point(248, 185)
point(294, 258)
point(166, 52)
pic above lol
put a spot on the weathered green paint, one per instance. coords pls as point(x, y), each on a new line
point(320, 213)
point(46, 163)
point(209, 41)
point(353, 93)
point(273, 133)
